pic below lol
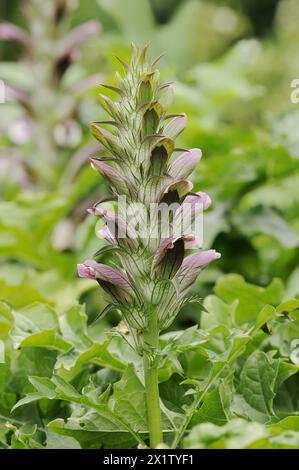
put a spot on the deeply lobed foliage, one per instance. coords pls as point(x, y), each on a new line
point(83, 381)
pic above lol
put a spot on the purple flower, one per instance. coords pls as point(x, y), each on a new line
point(168, 257)
point(198, 198)
point(170, 254)
point(192, 266)
point(188, 216)
point(183, 166)
point(117, 228)
point(107, 235)
point(78, 35)
point(175, 126)
point(11, 32)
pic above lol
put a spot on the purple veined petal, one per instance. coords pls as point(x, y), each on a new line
point(111, 280)
point(170, 254)
point(11, 32)
point(167, 244)
point(100, 212)
point(198, 198)
point(86, 271)
point(115, 223)
point(108, 216)
point(15, 93)
point(107, 235)
point(191, 241)
point(192, 266)
point(116, 226)
point(183, 166)
point(189, 216)
point(175, 126)
point(109, 274)
point(112, 174)
point(168, 257)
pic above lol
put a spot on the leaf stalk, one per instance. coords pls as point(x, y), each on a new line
point(150, 363)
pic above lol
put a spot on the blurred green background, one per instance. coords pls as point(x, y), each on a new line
point(233, 62)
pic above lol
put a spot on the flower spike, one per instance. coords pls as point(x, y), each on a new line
point(151, 233)
point(139, 164)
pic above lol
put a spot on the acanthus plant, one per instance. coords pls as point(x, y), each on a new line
point(153, 274)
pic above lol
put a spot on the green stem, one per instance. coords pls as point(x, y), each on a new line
point(189, 414)
point(150, 362)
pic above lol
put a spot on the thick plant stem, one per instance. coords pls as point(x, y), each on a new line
point(150, 361)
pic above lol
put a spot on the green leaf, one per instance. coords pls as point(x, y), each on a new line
point(237, 434)
point(218, 313)
point(288, 306)
point(45, 389)
point(24, 437)
point(267, 313)
point(287, 398)
point(93, 430)
point(216, 406)
point(173, 393)
point(56, 441)
point(73, 325)
point(70, 364)
point(29, 398)
point(20, 295)
point(130, 400)
point(291, 423)
point(44, 386)
point(6, 320)
point(37, 325)
point(65, 390)
point(284, 337)
point(222, 344)
point(259, 380)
